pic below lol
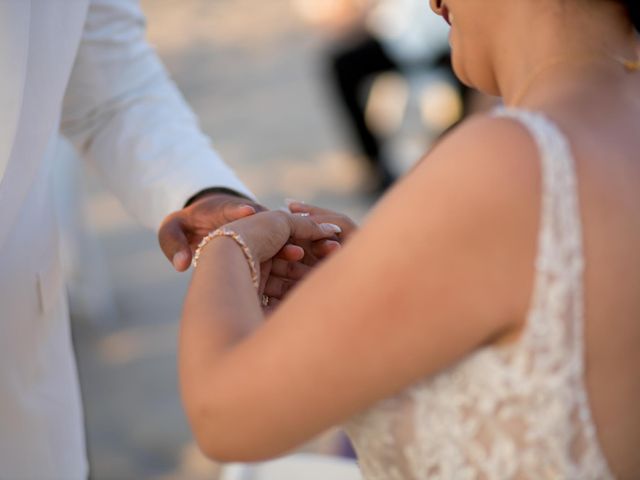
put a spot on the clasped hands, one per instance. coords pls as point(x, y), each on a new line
point(287, 245)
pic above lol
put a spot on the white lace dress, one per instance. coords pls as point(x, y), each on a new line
point(514, 412)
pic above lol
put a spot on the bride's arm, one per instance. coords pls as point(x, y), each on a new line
point(443, 266)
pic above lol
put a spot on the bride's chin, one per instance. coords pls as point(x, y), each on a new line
point(477, 77)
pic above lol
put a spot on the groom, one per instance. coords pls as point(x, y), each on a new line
point(82, 67)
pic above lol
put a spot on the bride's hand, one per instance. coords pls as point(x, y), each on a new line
point(292, 265)
point(319, 250)
point(268, 234)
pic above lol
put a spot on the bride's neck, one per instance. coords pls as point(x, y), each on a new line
point(543, 49)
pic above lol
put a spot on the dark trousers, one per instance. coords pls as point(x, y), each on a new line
point(352, 65)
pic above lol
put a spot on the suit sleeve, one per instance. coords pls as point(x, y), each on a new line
point(125, 115)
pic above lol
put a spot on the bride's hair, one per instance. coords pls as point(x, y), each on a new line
point(634, 12)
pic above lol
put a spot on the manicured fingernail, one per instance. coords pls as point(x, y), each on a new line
point(179, 259)
point(251, 207)
point(302, 214)
point(330, 228)
point(291, 202)
point(334, 245)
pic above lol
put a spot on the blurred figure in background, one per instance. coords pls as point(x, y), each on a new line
point(376, 37)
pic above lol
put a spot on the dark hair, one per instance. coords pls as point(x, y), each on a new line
point(634, 12)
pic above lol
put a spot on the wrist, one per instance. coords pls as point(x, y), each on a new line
point(208, 192)
point(226, 233)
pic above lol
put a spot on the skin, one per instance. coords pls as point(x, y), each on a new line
point(445, 263)
point(182, 231)
point(286, 273)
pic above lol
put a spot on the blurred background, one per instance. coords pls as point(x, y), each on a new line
point(322, 101)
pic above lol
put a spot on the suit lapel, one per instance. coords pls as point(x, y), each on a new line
point(15, 24)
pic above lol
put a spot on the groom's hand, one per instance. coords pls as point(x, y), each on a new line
point(182, 231)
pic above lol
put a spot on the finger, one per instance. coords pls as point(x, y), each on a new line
point(233, 210)
point(317, 251)
point(265, 273)
point(296, 206)
point(322, 215)
point(290, 270)
point(258, 208)
point(174, 243)
point(324, 248)
point(342, 221)
point(291, 253)
point(303, 228)
point(272, 306)
point(277, 287)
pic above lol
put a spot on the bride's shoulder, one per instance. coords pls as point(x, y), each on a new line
point(475, 201)
point(493, 153)
point(495, 137)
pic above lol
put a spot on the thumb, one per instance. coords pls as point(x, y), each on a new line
point(174, 244)
point(236, 211)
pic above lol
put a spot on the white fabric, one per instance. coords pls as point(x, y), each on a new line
point(409, 31)
point(122, 111)
point(303, 466)
point(514, 412)
point(125, 115)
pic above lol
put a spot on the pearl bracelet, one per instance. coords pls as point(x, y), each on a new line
point(226, 232)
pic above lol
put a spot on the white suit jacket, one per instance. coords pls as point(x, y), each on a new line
point(80, 67)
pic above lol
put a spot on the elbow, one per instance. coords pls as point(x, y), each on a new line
point(218, 446)
point(212, 434)
point(225, 453)
point(218, 450)
point(229, 438)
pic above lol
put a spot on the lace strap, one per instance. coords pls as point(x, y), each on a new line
point(560, 251)
point(561, 226)
point(557, 316)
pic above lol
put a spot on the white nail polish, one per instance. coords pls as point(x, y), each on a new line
point(330, 228)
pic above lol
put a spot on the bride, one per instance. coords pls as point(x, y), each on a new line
point(483, 323)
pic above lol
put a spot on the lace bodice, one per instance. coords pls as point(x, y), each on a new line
point(512, 412)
